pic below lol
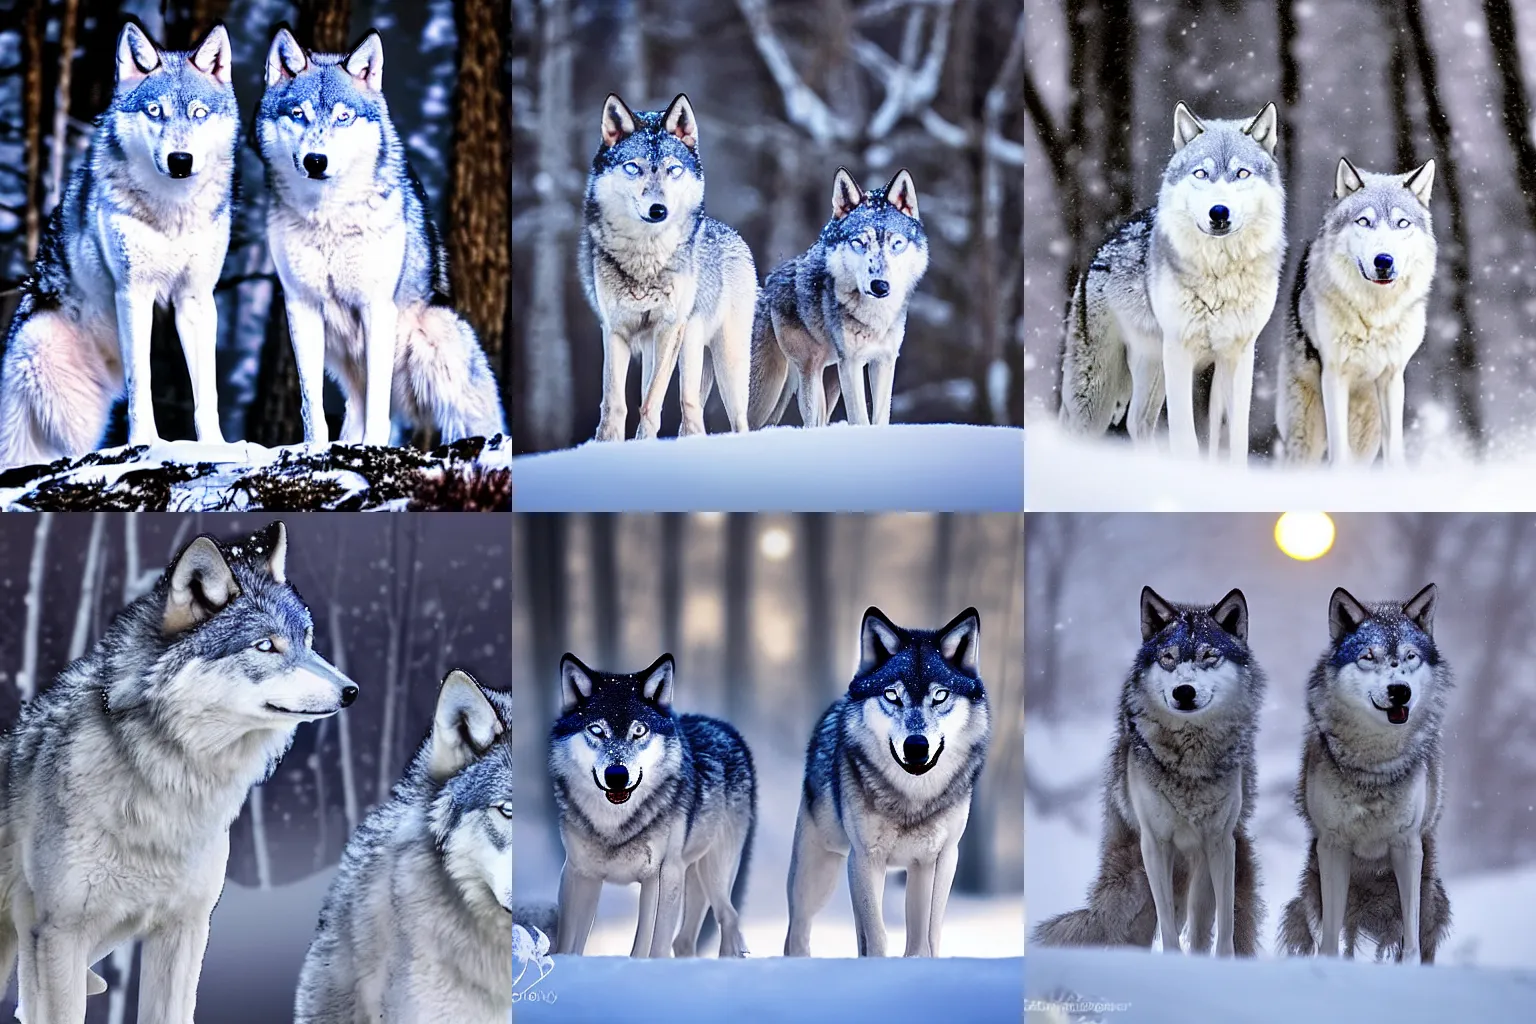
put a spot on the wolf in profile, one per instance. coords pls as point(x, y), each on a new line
point(647, 795)
point(418, 923)
point(1370, 788)
point(1188, 283)
point(143, 222)
point(843, 301)
point(364, 274)
point(120, 781)
point(1357, 316)
point(878, 806)
point(664, 279)
point(1179, 790)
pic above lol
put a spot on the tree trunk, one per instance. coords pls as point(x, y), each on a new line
point(542, 588)
point(1500, 16)
point(26, 679)
point(324, 24)
point(34, 32)
point(672, 547)
point(602, 530)
point(69, 21)
point(739, 680)
point(821, 680)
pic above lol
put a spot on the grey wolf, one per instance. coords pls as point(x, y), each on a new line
point(664, 279)
point(1370, 787)
point(1179, 790)
point(647, 795)
point(877, 806)
point(417, 925)
point(144, 222)
point(364, 274)
point(120, 781)
point(1180, 286)
point(1357, 316)
point(842, 301)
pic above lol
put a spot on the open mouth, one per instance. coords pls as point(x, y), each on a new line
point(917, 769)
point(618, 796)
point(1397, 714)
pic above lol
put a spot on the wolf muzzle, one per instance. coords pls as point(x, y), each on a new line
point(915, 747)
point(617, 776)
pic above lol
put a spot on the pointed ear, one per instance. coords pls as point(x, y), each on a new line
point(1265, 129)
point(464, 725)
point(575, 682)
point(137, 55)
point(1231, 614)
point(1155, 613)
point(960, 641)
point(846, 194)
point(213, 55)
point(902, 194)
point(878, 640)
point(285, 57)
point(274, 541)
point(1346, 179)
point(1421, 609)
point(656, 682)
point(366, 62)
point(679, 121)
point(1186, 127)
point(201, 585)
point(1421, 181)
point(1345, 614)
point(618, 120)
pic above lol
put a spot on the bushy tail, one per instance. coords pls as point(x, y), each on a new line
point(770, 371)
point(444, 376)
point(1095, 373)
point(543, 916)
point(1249, 910)
point(1120, 911)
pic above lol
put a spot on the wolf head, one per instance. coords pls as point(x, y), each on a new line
point(1384, 241)
point(919, 698)
point(469, 755)
point(1382, 677)
point(1223, 178)
point(647, 169)
point(173, 113)
point(875, 242)
point(1193, 662)
point(323, 118)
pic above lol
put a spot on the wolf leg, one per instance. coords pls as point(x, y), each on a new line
point(306, 331)
point(53, 975)
point(616, 356)
point(669, 341)
point(695, 903)
point(812, 877)
point(1221, 387)
point(1155, 857)
point(1147, 395)
point(787, 393)
point(1408, 866)
point(1201, 903)
point(1392, 417)
point(1333, 866)
point(812, 412)
point(172, 961)
point(716, 870)
point(669, 903)
point(768, 382)
point(1221, 855)
point(834, 392)
point(852, 376)
point(882, 375)
point(197, 325)
point(1336, 415)
point(731, 354)
point(690, 373)
point(135, 323)
point(1239, 405)
point(920, 877)
point(866, 884)
point(943, 881)
point(1179, 379)
point(578, 908)
point(1247, 904)
point(381, 320)
point(645, 927)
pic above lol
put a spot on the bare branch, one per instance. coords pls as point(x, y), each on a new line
point(801, 104)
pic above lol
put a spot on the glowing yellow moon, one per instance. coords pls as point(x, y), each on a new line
point(1304, 535)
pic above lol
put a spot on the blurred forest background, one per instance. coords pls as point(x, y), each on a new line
point(1085, 573)
point(762, 613)
point(784, 92)
point(445, 80)
point(397, 602)
point(1388, 83)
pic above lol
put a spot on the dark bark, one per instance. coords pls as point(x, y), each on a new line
point(324, 24)
point(1516, 110)
point(1290, 81)
point(673, 524)
point(602, 545)
point(815, 560)
point(739, 680)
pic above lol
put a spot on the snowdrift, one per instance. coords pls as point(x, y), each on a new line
point(907, 467)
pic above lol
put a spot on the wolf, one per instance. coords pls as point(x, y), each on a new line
point(663, 278)
point(647, 795)
point(1179, 790)
point(1370, 788)
point(417, 925)
point(143, 222)
point(1357, 316)
point(118, 784)
point(879, 806)
point(364, 273)
point(842, 301)
point(1187, 283)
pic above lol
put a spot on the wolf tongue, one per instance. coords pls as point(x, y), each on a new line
point(617, 797)
point(1397, 716)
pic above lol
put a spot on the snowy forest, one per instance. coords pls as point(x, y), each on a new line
point(762, 614)
point(397, 602)
point(785, 92)
point(1390, 84)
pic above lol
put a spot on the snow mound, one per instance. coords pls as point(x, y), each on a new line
point(185, 476)
point(1136, 987)
point(908, 467)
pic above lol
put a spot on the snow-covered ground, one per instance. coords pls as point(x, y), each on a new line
point(902, 467)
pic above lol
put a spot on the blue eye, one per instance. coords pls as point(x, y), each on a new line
point(675, 171)
point(898, 243)
point(297, 113)
point(265, 645)
point(857, 245)
point(892, 696)
point(632, 169)
point(152, 109)
point(595, 730)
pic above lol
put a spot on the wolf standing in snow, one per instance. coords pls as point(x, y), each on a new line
point(365, 276)
point(1370, 788)
point(1190, 282)
point(843, 301)
point(1179, 790)
point(646, 795)
point(144, 222)
point(120, 781)
point(879, 806)
point(664, 279)
point(1357, 316)
point(417, 925)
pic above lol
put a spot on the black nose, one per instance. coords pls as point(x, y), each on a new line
point(180, 165)
point(1383, 262)
point(1220, 215)
point(915, 749)
point(616, 776)
point(1399, 694)
point(314, 164)
point(1184, 695)
point(348, 695)
point(879, 289)
point(657, 213)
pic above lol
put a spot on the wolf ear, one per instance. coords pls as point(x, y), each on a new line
point(575, 682)
point(878, 640)
point(366, 62)
point(846, 194)
point(960, 641)
point(679, 121)
point(137, 54)
point(285, 57)
point(902, 194)
point(1420, 181)
point(1420, 609)
point(1346, 179)
point(656, 682)
point(273, 541)
point(1265, 129)
point(1155, 613)
point(201, 585)
point(618, 120)
point(464, 725)
point(213, 55)
point(1186, 127)
point(1231, 614)
point(1345, 614)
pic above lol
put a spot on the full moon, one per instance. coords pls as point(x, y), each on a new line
point(1304, 535)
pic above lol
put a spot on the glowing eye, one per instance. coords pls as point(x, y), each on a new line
point(676, 170)
point(596, 730)
point(1411, 656)
point(505, 810)
point(1364, 222)
point(1202, 173)
point(297, 113)
point(640, 730)
point(940, 696)
point(1402, 222)
point(1244, 172)
point(343, 116)
point(198, 111)
point(892, 696)
point(632, 169)
point(265, 645)
point(898, 243)
point(152, 109)
point(857, 245)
